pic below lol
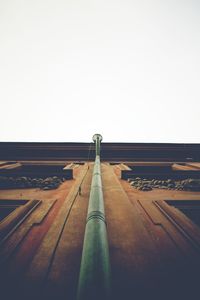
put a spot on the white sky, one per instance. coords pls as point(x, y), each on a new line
point(127, 69)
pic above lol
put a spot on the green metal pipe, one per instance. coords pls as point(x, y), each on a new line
point(94, 277)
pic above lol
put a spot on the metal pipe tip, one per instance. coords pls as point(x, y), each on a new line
point(96, 137)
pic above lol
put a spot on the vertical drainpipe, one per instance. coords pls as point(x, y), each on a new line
point(94, 277)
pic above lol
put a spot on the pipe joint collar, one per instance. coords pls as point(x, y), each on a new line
point(96, 215)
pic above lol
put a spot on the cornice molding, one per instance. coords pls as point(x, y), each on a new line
point(109, 151)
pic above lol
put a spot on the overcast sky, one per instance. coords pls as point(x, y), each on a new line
point(127, 69)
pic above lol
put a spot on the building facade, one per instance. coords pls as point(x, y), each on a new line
point(151, 195)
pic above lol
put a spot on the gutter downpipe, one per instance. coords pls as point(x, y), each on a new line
point(94, 278)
